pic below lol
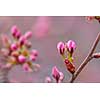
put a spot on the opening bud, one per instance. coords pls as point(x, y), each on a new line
point(71, 46)
point(56, 74)
point(61, 48)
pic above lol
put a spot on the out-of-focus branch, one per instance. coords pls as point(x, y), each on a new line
point(87, 59)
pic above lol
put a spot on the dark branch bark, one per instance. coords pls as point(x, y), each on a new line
point(87, 59)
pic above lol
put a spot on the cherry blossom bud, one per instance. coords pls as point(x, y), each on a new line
point(13, 47)
point(34, 52)
point(71, 46)
point(28, 44)
point(70, 66)
point(21, 59)
point(14, 30)
point(27, 68)
point(18, 35)
point(32, 57)
point(48, 80)
point(61, 47)
point(56, 74)
point(22, 40)
point(28, 35)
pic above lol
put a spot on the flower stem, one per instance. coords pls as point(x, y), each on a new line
point(87, 59)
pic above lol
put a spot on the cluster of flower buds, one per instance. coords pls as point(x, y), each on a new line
point(90, 18)
point(67, 48)
point(57, 76)
point(17, 51)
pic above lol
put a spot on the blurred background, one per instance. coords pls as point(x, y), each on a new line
point(47, 32)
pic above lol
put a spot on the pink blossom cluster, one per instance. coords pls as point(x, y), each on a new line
point(17, 51)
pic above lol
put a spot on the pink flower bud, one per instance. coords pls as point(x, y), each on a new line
point(28, 44)
point(48, 80)
point(22, 40)
point(34, 52)
point(61, 47)
point(32, 57)
point(27, 68)
point(14, 30)
point(56, 74)
point(21, 59)
point(71, 46)
point(13, 47)
point(18, 35)
point(28, 35)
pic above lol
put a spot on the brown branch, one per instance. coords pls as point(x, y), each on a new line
point(86, 60)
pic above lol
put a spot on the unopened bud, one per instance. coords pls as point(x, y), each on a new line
point(56, 74)
point(61, 47)
point(28, 35)
point(21, 59)
point(71, 46)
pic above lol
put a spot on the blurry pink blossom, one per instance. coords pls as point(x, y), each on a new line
point(32, 57)
point(22, 40)
point(34, 52)
point(21, 59)
point(42, 26)
point(27, 68)
point(28, 34)
point(13, 47)
point(14, 30)
point(28, 44)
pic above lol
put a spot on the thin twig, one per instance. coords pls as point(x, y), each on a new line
point(87, 59)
